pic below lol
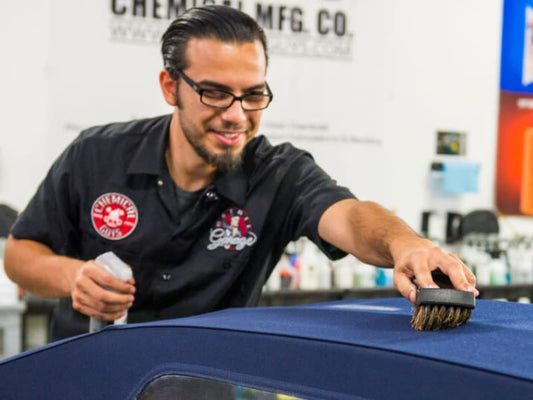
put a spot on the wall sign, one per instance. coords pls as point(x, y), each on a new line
point(514, 169)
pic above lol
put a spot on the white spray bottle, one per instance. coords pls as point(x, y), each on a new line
point(119, 269)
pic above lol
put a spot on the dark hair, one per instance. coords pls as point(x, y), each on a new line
point(220, 22)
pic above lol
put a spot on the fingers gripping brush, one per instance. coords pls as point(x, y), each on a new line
point(441, 308)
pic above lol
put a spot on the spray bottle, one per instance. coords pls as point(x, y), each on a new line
point(119, 269)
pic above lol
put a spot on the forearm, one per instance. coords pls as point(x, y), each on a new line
point(36, 268)
point(368, 231)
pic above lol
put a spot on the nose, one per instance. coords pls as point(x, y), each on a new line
point(234, 113)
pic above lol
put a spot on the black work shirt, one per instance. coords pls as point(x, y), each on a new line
point(111, 190)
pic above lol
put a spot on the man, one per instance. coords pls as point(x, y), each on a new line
point(197, 205)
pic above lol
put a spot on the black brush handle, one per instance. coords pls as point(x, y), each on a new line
point(446, 294)
point(446, 297)
point(441, 279)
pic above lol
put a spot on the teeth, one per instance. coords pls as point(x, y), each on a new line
point(230, 135)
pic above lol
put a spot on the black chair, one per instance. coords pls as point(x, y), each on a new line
point(479, 221)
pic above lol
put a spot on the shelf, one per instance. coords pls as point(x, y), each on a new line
point(511, 292)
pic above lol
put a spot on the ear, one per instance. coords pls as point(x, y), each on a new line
point(168, 87)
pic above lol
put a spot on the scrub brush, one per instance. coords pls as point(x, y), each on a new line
point(442, 308)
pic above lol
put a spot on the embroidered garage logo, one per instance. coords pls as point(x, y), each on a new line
point(114, 216)
point(232, 231)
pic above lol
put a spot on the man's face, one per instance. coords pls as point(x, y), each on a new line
point(218, 136)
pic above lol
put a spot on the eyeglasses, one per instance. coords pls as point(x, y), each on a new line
point(222, 100)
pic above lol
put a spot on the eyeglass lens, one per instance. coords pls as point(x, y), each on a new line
point(220, 99)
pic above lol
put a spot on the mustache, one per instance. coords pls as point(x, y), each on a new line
point(229, 127)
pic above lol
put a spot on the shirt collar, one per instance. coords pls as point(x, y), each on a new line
point(150, 159)
point(150, 156)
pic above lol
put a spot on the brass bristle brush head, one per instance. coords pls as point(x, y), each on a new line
point(442, 308)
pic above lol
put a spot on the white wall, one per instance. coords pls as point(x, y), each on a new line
point(447, 78)
point(435, 66)
point(24, 98)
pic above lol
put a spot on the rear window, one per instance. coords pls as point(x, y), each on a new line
point(180, 387)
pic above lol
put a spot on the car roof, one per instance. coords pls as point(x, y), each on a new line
point(340, 350)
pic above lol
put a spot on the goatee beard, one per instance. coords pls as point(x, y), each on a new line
point(225, 162)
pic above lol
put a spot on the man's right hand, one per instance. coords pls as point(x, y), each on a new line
point(36, 268)
point(97, 293)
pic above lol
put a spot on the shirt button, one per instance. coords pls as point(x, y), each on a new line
point(211, 195)
point(160, 182)
point(166, 276)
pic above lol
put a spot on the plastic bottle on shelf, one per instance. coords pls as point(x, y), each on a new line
point(498, 269)
point(295, 272)
point(281, 275)
point(364, 275)
point(273, 282)
point(528, 265)
point(309, 269)
point(521, 264)
point(468, 251)
point(325, 280)
point(514, 258)
point(343, 273)
point(384, 277)
point(285, 271)
point(481, 266)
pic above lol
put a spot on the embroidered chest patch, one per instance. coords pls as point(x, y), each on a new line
point(232, 231)
point(114, 216)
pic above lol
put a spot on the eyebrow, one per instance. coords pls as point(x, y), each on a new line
point(217, 85)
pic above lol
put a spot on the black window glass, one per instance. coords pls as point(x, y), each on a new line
point(179, 387)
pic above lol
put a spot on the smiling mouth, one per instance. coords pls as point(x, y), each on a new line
point(229, 138)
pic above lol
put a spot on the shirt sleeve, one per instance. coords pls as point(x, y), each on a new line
point(314, 191)
point(51, 215)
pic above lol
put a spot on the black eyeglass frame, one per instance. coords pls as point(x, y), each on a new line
point(201, 91)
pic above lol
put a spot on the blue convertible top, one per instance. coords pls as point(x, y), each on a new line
point(340, 350)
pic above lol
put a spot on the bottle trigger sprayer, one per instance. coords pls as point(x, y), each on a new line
point(119, 269)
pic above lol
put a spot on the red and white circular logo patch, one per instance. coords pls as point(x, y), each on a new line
point(114, 216)
point(232, 231)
